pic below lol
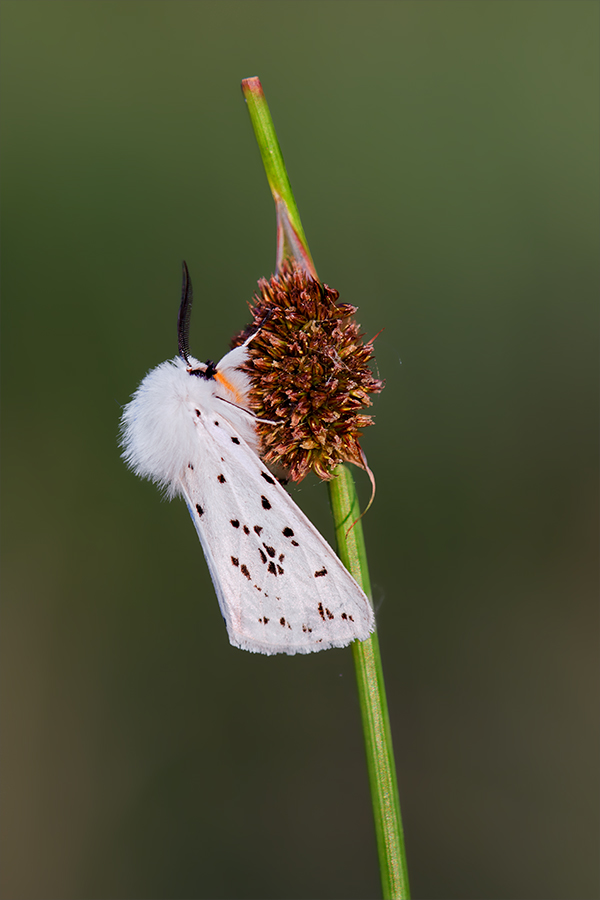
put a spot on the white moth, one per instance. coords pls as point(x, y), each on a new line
point(280, 586)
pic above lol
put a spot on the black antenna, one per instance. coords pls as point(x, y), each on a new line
point(184, 315)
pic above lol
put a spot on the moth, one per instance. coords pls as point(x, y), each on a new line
point(189, 428)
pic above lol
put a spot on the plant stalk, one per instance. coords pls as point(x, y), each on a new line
point(371, 693)
point(292, 247)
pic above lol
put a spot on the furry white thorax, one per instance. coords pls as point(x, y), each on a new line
point(159, 425)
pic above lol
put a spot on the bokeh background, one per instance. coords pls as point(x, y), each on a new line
point(444, 159)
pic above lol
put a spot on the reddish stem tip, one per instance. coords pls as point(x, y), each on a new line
point(252, 86)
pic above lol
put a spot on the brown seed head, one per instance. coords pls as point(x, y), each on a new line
point(310, 375)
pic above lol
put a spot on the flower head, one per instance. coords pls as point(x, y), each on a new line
point(310, 375)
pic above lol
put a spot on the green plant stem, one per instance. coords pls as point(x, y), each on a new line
point(292, 247)
point(371, 693)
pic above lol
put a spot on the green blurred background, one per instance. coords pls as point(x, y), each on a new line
point(444, 159)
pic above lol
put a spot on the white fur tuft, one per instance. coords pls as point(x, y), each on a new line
point(158, 435)
point(158, 428)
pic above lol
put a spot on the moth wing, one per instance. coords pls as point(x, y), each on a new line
point(280, 586)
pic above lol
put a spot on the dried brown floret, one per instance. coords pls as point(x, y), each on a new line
point(310, 375)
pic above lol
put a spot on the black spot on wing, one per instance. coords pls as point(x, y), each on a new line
point(235, 561)
point(198, 413)
point(262, 556)
point(270, 550)
point(321, 611)
point(235, 440)
point(287, 532)
point(265, 503)
point(267, 478)
point(321, 572)
point(295, 544)
point(272, 568)
point(244, 571)
point(235, 523)
point(190, 466)
point(280, 570)
point(221, 479)
point(216, 423)
point(330, 615)
point(246, 529)
point(199, 509)
point(258, 529)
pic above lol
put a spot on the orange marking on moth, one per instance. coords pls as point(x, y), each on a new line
point(226, 384)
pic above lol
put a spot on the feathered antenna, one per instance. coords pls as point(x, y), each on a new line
point(184, 315)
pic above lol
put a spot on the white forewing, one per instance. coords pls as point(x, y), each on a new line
point(280, 586)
